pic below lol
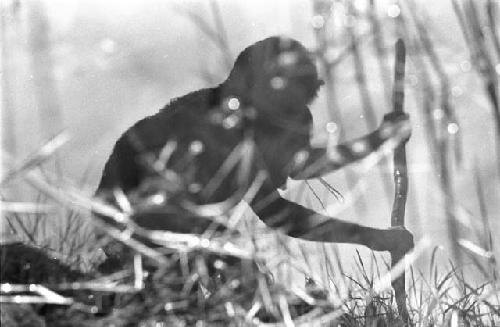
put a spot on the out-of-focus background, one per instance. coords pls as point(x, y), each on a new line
point(92, 68)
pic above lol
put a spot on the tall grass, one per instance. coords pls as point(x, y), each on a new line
point(263, 278)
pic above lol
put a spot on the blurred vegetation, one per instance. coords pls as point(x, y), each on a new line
point(197, 282)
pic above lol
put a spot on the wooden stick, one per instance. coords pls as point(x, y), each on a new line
point(400, 176)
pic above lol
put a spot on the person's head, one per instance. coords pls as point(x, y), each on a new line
point(278, 70)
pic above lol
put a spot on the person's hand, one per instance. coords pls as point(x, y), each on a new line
point(396, 124)
point(399, 242)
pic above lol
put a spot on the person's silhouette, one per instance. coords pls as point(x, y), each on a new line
point(244, 137)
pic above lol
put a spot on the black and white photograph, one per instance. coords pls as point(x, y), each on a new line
point(249, 163)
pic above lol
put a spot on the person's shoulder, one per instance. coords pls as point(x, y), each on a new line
point(200, 100)
point(180, 114)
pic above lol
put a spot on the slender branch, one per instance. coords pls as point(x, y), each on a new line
point(364, 93)
point(436, 63)
point(492, 11)
point(442, 138)
point(400, 176)
point(469, 21)
point(7, 51)
point(222, 32)
point(379, 44)
point(42, 70)
point(324, 39)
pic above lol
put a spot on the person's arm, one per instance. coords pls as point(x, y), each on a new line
point(394, 130)
point(299, 222)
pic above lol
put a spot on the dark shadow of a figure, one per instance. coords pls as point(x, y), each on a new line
point(243, 139)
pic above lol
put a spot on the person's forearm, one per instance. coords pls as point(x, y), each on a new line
point(321, 161)
point(299, 222)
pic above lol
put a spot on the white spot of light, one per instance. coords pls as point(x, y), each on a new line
point(233, 104)
point(393, 11)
